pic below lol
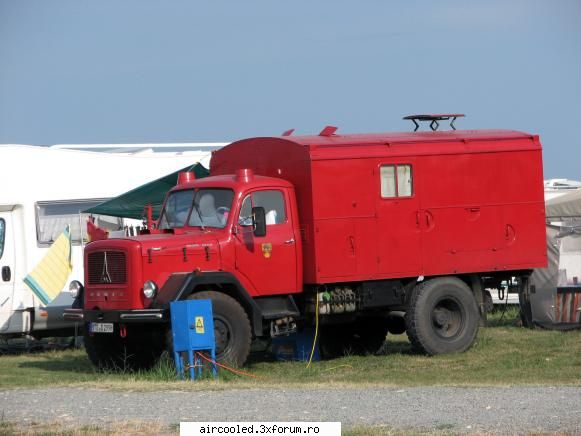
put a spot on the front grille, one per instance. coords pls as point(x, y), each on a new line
point(107, 267)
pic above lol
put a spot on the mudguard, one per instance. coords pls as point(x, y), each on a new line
point(180, 285)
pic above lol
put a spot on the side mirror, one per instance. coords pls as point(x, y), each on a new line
point(259, 221)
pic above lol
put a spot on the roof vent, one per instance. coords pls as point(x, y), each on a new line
point(244, 175)
point(433, 119)
point(328, 131)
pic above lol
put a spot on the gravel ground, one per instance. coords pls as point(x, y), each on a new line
point(502, 410)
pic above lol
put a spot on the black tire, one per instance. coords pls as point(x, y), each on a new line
point(140, 349)
point(442, 316)
point(396, 324)
point(231, 327)
point(365, 336)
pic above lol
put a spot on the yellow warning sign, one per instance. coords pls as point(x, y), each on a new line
point(200, 324)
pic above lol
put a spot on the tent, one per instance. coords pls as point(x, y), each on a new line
point(132, 203)
point(555, 292)
point(564, 206)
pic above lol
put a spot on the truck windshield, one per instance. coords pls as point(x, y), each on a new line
point(210, 208)
point(177, 208)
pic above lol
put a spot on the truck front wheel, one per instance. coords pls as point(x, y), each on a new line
point(140, 349)
point(231, 327)
point(442, 316)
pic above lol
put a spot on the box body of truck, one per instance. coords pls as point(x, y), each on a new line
point(470, 202)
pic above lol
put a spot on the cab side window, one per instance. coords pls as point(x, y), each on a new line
point(396, 181)
point(2, 235)
point(273, 203)
point(245, 218)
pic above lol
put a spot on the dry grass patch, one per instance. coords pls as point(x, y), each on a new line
point(129, 428)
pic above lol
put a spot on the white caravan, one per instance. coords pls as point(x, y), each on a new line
point(42, 190)
point(557, 187)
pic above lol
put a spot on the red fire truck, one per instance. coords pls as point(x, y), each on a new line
point(367, 233)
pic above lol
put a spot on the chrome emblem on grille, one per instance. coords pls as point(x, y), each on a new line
point(105, 277)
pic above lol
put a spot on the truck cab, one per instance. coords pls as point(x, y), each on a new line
point(238, 233)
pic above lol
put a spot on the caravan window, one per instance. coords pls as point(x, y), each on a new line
point(53, 216)
point(2, 235)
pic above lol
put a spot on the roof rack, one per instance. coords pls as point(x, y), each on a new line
point(433, 119)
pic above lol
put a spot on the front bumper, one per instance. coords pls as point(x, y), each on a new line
point(116, 316)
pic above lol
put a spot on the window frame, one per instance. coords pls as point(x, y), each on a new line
point(396, 180)
point(251, 194)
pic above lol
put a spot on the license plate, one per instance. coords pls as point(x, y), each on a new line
point(101, 327)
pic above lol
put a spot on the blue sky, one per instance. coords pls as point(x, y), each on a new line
point(184, 71)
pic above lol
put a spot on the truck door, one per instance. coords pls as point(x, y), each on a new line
point(7, 272)
point(268, 263)
point(398, 219)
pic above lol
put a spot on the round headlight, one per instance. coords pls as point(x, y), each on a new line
point(75, 288)
point(149, 289)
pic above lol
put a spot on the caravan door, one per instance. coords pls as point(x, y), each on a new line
point(7, 268)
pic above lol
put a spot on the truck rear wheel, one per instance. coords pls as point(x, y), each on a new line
point(442, 316)
point(365, 336)
point(231, 327)
point(140, 349)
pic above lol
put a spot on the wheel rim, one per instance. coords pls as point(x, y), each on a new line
point(447, 318)
point(223, 335)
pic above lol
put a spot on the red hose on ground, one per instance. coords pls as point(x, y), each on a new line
point(235, 371)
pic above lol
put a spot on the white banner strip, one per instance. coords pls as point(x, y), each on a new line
point(260, 428)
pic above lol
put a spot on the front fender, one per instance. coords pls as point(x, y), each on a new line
point(179, 286)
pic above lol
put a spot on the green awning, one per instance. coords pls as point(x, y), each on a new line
point(132, 203)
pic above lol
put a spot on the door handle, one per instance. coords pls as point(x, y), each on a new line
point(6, 273)
point(429, 220)
point(289, 241)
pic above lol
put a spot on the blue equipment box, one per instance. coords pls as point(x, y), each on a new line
point(296, 346)
point(193, 331)
point(192, 325)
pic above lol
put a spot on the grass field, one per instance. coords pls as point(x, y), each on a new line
point(504, 354)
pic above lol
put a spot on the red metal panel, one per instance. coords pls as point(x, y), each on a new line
point(366, 231)
point(336, 249)
point(399, 225)
point(460, 239)
point(268, 263)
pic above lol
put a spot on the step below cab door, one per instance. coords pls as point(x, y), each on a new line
point(267, 263)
